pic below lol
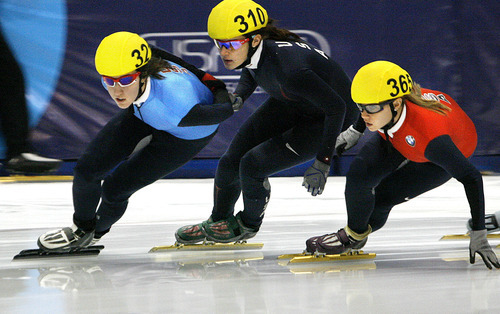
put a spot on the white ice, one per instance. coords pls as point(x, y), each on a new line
point(413, 272)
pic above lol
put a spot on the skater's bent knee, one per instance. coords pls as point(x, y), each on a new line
point(252, 166)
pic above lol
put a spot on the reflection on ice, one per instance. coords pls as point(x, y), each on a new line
point(413, 270)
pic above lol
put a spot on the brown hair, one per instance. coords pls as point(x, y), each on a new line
point(416, 97)
point(271, 31)
point(154, 67)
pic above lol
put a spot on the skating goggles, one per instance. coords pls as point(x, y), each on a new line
point(235, 44)
point(374, 108)
point(123, 81)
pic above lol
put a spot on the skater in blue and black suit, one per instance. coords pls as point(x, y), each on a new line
point(309, 104)
point(162, 101)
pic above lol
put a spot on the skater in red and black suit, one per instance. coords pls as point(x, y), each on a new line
point(425, 140)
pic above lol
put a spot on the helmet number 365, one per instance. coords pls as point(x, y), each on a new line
point(142, 60)
point(260, 17)
point(403, 86)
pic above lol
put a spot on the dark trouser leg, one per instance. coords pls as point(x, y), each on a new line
point(13, 108)
point(404, 184)
point(227, 187)
point(164, 154)
point(293, 147)
point(270, 119)
point(378, 180)
point(112, 145)
point(373, 163)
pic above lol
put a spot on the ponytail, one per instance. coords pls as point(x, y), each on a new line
point(154, 68)
point(416, 97)
point(271, 31)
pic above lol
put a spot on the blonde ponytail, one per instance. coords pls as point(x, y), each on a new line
point(416, 97)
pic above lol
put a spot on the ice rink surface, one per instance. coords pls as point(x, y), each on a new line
point(413, 272)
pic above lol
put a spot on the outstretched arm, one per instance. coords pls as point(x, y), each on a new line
point(443, 152)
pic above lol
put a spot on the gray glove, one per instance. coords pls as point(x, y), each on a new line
point(237, 102)
point(347, 140)
point(315, 177)
point(479, 244)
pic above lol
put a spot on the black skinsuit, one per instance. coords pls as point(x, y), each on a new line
point(309, 105)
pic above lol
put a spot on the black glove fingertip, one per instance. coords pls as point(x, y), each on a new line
point(472, 258)
point(340, 149)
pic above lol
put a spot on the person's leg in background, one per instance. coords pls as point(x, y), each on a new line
point(14, 117)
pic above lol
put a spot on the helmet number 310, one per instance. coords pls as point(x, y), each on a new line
point(251, 16)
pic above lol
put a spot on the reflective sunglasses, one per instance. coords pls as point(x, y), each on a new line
point(123, 81)
point(235, 44)
point(374, 108)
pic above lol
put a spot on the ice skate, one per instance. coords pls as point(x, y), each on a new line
point(311, 244)
point(227, 234)
point(97, 237)
point(192, 234)
point(339, 246)
point(65, 240)
point(491, 222)
point(336, 243)
point(32, 163)
point(69, 241)
point(229, 230)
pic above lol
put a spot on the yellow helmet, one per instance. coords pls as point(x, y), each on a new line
point(121, 53)
point(233, 18)
point(379, 81)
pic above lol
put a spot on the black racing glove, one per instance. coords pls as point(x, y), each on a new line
point(315, 177)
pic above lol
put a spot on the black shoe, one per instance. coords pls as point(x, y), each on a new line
point(31, 163)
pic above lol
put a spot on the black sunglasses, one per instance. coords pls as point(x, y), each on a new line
point(374, 108)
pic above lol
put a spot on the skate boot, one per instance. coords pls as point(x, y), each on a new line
point(228, 230)
point(97, 238)
point(338, 242)
point(66, 239)
point(192, 234)
point(491, 222)
point(32, 163)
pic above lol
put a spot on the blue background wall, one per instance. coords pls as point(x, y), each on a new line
point(451, 46)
